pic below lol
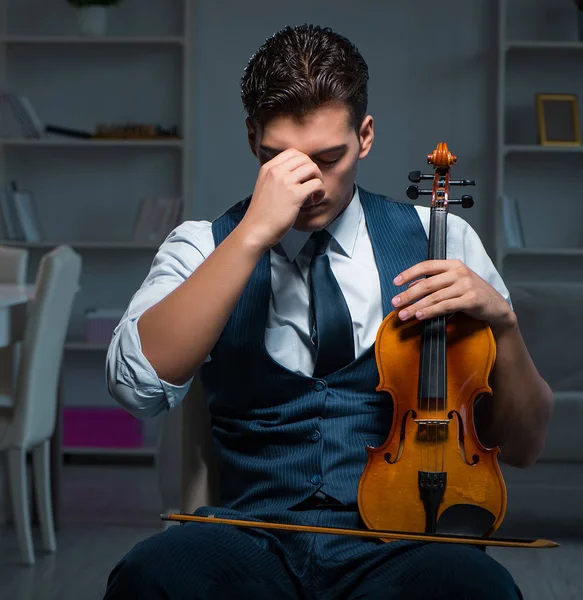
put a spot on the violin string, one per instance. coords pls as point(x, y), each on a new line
point(439, 382)
point(437, 378)
point(431, 449)
point(422, 384)
point(437, 333)
point(444, 350)
point(434, 400)
point(443, 332)
point(429, 398)
point(437, 396)
point(427, 416)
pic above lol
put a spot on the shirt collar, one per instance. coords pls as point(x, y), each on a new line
point(344, 229)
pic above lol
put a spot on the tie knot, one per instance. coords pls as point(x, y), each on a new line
point(321, 240)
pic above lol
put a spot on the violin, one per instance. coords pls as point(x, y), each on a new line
point(431, 480)
point(432, 474)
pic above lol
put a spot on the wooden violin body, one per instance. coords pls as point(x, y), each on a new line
point(432, 474)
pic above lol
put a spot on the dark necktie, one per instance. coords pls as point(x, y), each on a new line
point(331, 321)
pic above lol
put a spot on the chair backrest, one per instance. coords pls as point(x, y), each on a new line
point(199, 478)
point(13, 265)
point(47, 323)
point(13, 270)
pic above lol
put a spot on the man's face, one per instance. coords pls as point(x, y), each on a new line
point(329, 139)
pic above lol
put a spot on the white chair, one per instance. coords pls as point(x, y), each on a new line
point(13, 270)
point(29, 422)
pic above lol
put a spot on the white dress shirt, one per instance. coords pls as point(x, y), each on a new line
point(135, 384)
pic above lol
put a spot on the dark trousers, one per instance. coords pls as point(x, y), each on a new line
point(199, 561)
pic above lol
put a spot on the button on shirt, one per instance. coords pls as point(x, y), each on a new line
point(134, 382)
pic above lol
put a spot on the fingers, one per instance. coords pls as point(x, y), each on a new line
point(306, 172)
point(427, 267)
point(315, 188)
point(291, 155)
point(296, 168)
point(423, 287)
point(441, 302)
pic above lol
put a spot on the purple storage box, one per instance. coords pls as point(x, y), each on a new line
point(93, 427)
point(100, 323)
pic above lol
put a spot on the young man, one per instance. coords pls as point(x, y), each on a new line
point(293, 397)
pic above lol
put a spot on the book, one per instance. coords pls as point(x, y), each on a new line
point(19, 118)
point(512, 222)
point(18, 214)
point(156, 218)
point(26, 214)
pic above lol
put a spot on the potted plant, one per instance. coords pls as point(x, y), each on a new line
point(93, 15)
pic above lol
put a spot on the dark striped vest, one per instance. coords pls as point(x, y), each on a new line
point(280, 436)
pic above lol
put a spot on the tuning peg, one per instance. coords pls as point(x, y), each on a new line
point(466, 201)
point(417, 176)
point(414, 192)
point(462, 182)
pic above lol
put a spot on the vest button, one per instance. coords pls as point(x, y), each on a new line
point(316, 435)
point(315, 479)
point(320, 385)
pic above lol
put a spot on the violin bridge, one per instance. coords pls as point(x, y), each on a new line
point(432, 430)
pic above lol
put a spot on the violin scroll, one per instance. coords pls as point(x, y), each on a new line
point(442, 159)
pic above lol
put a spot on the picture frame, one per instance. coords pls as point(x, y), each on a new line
point(558, 120)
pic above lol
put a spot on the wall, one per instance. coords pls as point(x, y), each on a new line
point(433, 75)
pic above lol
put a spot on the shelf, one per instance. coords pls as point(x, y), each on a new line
point(72, 39)
point(536, 149)
point(92, 143)
point(85, 346)
point(83, 245)
point(98, 451)
point(539, 285)
point(543, 252)
point(546, 45)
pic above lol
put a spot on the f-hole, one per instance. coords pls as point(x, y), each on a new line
point(388, 457)
point(461, 440)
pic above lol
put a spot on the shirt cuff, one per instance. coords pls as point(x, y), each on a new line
point(175, 393)
point(139, 371)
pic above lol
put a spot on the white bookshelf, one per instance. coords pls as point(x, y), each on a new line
point(146, 451)
point(543, 45)
point(74, 39)
point(539, 52)
point(87, 191)
point(535, 252)
point(73, 345)
point(534, 149)
point(81, 244)
point(91, 143)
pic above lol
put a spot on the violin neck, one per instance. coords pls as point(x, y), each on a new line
point(432, 368)
point(437, 249)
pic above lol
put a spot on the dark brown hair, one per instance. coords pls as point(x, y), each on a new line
point(303, 68)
